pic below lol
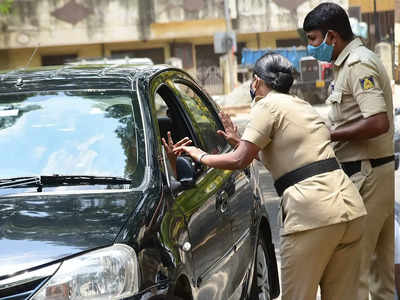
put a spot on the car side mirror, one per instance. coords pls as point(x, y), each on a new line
point(185, 171)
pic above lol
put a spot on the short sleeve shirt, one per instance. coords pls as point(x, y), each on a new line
point(361, 89)
point(291, 134)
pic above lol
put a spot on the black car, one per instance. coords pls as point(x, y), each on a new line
point(91, 208)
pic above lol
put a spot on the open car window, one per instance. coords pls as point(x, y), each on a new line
point(203, 117)
point(170, 118)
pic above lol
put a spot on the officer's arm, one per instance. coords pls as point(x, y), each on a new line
point(364, 82)
point(238, 159)
point(365, 128)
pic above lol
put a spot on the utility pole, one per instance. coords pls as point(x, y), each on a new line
point(229, 53)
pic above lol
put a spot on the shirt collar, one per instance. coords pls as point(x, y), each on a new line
point(271, 92)
point(347, 50)
point(258, 98)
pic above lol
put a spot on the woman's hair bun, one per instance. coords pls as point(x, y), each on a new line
point(276, 71)
point(283, 82)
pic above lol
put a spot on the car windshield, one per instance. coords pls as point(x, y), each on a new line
point(70, 133)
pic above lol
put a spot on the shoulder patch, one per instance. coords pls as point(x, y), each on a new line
point(367, 83)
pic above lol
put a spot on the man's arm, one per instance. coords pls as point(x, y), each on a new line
point(397, 277)
point(362, 129)
point(364, 82)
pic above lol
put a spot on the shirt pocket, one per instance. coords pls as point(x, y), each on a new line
point(335, 100)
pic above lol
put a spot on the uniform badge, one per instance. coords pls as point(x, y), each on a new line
point(367, 83)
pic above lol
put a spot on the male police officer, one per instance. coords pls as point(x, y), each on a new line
point(362, 127)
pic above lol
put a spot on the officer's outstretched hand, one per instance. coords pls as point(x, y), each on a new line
point(194, 152)
point(231, 130)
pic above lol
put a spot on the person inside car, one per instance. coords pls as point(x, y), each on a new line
point(322, 213)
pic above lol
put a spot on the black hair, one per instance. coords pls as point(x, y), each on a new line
point(329, 16)
point(276, 71)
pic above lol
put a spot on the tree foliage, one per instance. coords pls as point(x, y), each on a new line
point(5, 6)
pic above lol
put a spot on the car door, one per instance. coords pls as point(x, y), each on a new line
point(205, 206)
point(235, 194)
point(213, 273)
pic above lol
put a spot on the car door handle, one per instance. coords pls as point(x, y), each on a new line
point(222, 201)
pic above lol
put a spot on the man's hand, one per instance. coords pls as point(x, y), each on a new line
point(231, 130)
point(170, 147)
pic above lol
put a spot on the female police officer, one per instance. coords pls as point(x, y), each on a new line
point(322, 211)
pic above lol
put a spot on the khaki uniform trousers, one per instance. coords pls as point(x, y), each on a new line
point(328, 256)
point(376, 186)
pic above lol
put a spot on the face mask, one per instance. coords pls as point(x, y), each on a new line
point(252, 91)
point(323, 52)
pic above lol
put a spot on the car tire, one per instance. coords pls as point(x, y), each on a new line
point(260, 289)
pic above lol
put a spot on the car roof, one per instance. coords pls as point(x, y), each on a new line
point(106, 60)
point(13, 80)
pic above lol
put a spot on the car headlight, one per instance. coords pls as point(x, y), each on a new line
point(109, 273)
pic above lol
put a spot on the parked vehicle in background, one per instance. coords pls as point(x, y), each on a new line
point(89, 206)
point(313, 78)
point(313, 82)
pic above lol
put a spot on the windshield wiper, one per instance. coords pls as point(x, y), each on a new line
point(19, 181)
point(57, 180)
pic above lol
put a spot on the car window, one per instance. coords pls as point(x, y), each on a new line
point(203, 116)
point(70, 133)
point(169, 118)
point(161, 107)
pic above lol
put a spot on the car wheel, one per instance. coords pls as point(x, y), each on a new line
point(260, 289)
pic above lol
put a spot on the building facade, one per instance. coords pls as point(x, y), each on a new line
point(380, 24)
point(159, 29)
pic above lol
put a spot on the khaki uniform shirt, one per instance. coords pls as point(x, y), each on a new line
point(361, 90)
point(291, 134)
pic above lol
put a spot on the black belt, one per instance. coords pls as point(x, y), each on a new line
point(299, 174)
point(353, 167)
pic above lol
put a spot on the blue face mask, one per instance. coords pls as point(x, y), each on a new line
point(252, 91)
point(323, 52)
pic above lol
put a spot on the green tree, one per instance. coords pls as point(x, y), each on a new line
point(5, 6)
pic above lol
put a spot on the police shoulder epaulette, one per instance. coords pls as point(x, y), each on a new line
point(353, 58)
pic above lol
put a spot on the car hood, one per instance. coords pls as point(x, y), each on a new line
point(39, 229)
